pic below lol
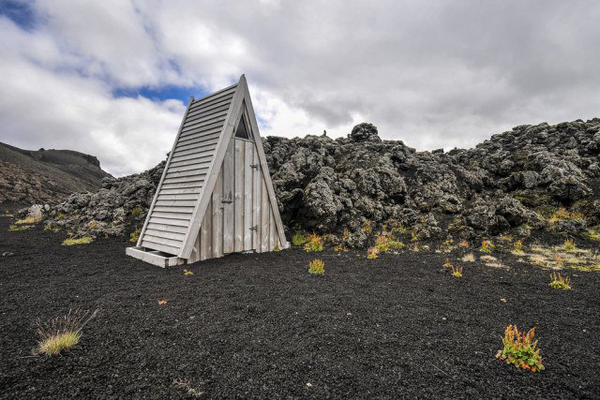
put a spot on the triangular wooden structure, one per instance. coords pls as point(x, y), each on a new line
point(215, 196)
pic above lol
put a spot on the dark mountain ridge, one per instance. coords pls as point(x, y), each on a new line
point(45, 176)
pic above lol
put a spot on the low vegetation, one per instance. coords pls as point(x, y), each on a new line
point(559, 282)
point(299, 239)
point(61, 333)
point(486, 246)
point(137, 212)
point(187, 272)
point(456, 271)
point(386, 244)
point(19, 228)
point(372, 253)
point(135, 235)
point(569, 245)
point(314, 243)
point(520, 349)
point(316, 267)
point(73, 242)
point(27, 221)
point(470, 257)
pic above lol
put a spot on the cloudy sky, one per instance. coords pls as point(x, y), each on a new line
point(112, 77)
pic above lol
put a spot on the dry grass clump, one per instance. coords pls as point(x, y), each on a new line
point(457, 272)
point(559, 282)
point(563, 214)
point(487, 258)
point(187, 272)
point(73, 242)
point(372, 253)
point(61, 333)
point(518, 247)
point(385, 244)
point(314, 243)
point(520, 350)
point(487, 246)
point(316, 267)
point(19, 228)
point(470, 257)
point(569, 245)
point(27, 221)
point(463, 244)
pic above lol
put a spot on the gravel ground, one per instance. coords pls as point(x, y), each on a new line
point(260, 326)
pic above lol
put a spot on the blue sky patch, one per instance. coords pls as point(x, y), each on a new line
point(162, 93)
point(20, 12)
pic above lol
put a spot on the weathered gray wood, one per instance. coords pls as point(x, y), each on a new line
point(176, 243)
point(172, 216)
point(167, 228)
point(232, 115)
point(169, 221)
point(238, 201)
point(217, 218)
point(205, 234)
point(168, 235)
point(162, 178)
point(191, 181)
point(198, 139)
point(176, 203)
point(197, 145)
point(256, 201)
point(264, 218)
point(153, 257)
point(208, 114)
point(247, 201)
point(174, 209)
point(159, 246)
point(182, 160)
point(202, 149)
point(191, 173)
point(272, 231)
point(263, 161)
point(211, 125)
point(228, 189)
point(200, 133)
point(213, 97)
point(189, 167)
point(181, 190)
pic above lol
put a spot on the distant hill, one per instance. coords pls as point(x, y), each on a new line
point(45, 176)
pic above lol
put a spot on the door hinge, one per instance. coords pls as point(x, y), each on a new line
point(254, 228)
point(255, 166)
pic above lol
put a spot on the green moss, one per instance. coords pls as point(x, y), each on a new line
point(72, 242)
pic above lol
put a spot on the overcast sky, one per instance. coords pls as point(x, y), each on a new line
point(112, 78)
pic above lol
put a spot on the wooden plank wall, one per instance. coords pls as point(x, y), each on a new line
point(226, 226)
point(170, 217)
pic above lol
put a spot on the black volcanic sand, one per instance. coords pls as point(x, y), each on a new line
point(260, 326)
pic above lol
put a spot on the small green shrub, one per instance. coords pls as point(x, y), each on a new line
point(135, 235)
point(61, 216)
point(520, 350)
point(314, 243)
point(559, 282)
point(299, 239)
point(316, 267)
point(72, 242)
point(136, 212)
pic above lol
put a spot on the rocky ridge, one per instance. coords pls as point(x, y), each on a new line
point(536, 179)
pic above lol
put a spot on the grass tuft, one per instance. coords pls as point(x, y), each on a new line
point(299, 239)
point(569, 245)
point(187, 272)
point(316, 267)
point(520, 350)
point(487, 246)
point(314, 243)
point(19, 228)
point(372, 253)
point(135, 235)
point(73, 242)
point(61, 333)
point(457, 272)
point(27, 221)
point(559, 282)
point(470, 257)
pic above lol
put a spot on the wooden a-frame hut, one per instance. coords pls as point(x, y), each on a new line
point(215, 196)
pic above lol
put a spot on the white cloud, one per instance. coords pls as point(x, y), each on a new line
point(436, 74)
